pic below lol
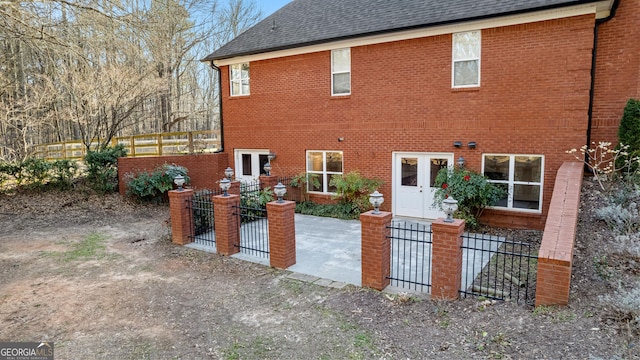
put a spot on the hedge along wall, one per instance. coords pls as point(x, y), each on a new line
point(203, 169)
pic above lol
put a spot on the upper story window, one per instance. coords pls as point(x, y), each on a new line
point(323, 166)
point(341, 72)
point(239, 79)
point(520, 176)
point(466, 59)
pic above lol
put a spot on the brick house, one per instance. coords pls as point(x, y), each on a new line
point(399, 89)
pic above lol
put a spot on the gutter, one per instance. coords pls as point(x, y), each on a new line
point(220, 107)
point(594, 53)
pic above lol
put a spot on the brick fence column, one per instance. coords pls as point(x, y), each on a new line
point(234, 189)
point(446, 259)
point(376, 249)
point(227, 224)
point(282, 234)
point(268, 181)
point(181, 217)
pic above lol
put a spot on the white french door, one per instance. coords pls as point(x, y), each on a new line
point(250, 163)
point(414, 176)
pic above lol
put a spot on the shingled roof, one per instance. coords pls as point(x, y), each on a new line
point(309, 22)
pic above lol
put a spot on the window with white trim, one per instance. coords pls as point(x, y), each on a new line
point(341, 72)
point(521, 176)
point(239, 75)
point(323, 166)
point(466, 59)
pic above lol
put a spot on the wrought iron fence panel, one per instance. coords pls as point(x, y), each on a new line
point(202, 215)
point(410, 256)
point(496, 268)
point(254, 230)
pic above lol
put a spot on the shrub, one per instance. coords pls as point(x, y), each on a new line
point(39, 174)
point(605, 163)
point(63, 173)
point(36, 172)
point(338, 211)
point(102, 168)
point(353, 189)
point(472, 191)
point(629, 133)
point(302, 182)
point(152, 186)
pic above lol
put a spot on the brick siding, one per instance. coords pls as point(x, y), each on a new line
point(533, 99)
point(617, 77)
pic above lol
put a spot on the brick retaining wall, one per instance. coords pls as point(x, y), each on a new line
point(555, 258)
point(204, 169)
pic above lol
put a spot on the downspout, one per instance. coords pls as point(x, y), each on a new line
point(594, 53)
point(220, 107)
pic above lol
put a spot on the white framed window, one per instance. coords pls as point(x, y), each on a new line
point(521, 176)
point(466, 59)
point(324, 165)
point(341, 72)
point(239, 75)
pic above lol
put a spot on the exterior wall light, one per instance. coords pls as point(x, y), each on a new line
point(228, 172)
point(267, 169)
point(457, 144)
point(280, 190)
point(376, 199)
point(461, 162)
point(449, 205)
point(179, 181)
point(472, 145)
point(225, 184)
point(271, 156)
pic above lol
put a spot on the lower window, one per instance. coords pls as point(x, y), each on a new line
point(323, 166)
point(521, 178)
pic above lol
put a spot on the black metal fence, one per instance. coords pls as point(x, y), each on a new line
point(496, 268)
point(202, 212)
point(410, 256)
point(254, 230)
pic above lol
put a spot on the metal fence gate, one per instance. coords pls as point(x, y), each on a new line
point(496, 268)
point(410, 256)
point(202, 215)
point(254, 230)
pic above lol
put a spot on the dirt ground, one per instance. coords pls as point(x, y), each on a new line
point(100, 277)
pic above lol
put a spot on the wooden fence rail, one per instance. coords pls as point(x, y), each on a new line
point(174, 143)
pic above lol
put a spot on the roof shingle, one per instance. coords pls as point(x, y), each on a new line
point(308, 22)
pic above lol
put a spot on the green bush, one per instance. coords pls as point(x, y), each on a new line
point(338, 211)
point(39, 174)
point(102, 168)
point(152, 186)
point(63, 173)
point(472, 191)
point(36, 172)
point(353, 189)
point(629, 133)
point(303, 182)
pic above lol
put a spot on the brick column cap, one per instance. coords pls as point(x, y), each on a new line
point(182, 192)
point(220, 198)
point(284, 204)
point(452, 227)
point(369, 216)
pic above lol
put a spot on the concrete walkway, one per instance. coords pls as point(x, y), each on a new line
point(328, 252)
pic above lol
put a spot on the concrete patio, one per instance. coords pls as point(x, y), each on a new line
point(328, 251)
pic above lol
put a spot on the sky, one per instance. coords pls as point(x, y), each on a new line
point(270, 6)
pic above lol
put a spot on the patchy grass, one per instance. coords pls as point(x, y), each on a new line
point(93, 247)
